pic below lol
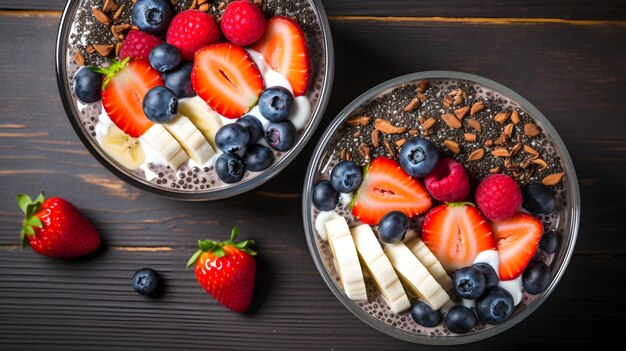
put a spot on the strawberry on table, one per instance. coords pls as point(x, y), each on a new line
point(54, 227)
point(517, 239)
point(387, 187)
point(226, 270)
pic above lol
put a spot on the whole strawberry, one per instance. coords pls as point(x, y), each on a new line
point(55, 228)
point(226, 270)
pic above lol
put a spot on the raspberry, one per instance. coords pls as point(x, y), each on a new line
point(448, 182)
point(242, 23)
point(191, 30)
point(138, 45)
point(498, 197)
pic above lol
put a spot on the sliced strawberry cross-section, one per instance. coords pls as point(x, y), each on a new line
point(517, 239)
point(226, 78)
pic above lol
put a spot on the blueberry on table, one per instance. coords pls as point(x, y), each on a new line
point(281, 136)
point(325, 197)
point(418, 157)
point(276, 103)
point(258, 158)
point(164, 57)
point(88, 85)
point(495, 307)
point(179, 80)
point(346, 177)
point(538, 199)
point(254, 127)
point(425, 315)
point(147, 282)
point(152, 16)
point(460, 319)
point(536, 277)
point(232, 138)
point(469, 282)
point(491, 277)
point(393, 226)
point(160, 104)
point(230, 168)
point(549, 241)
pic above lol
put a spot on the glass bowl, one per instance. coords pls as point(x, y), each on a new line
point(375, 312)
point(192, 182)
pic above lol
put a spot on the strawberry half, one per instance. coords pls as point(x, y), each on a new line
point(226, 78)
point(387, 187)
point(517, 238)
point(456, 233)
point(283, 45)
point(125, 85)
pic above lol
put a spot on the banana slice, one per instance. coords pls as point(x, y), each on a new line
point(423, 254)
point(346, 259)
point(158, 138)
point(380, 268)
point(202, 116)
point(190, 138)
point(415, 276)
point(123, 148)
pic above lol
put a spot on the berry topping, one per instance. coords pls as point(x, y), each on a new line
point(179, 80)
point(536, 277)
point(230, 168)
point(232, 138)
point(276, 103)
point(495, 307)
point(147, 282)
point(346, 177)
point(191, 30)
point(418, 157)
point(460, 319)
point(469, 283)
point(138, 45)
point(538, 198)
point(280, 135)
point(164, 57)
point(242, 23)
point(152, 16)
point(425, 315)
point(517, 239)
point(549, 241)
point(325, 197)
point(448, 181)
point(392, 227)
point(498, 197)
point(88, 85)
point(258, 158)
point(160, 104)
point(253, 126)
point(491, 277)
point(387, 187)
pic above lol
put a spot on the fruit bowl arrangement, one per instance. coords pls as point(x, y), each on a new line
point(441, 207)
point(194, 100)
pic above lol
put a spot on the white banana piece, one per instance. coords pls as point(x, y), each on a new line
point(428, 259)
point(346, 259)
point(202, 116)
point(380, 268)
point(415, 276)
point(190, 138)
point(123, 148)
point(158, 138)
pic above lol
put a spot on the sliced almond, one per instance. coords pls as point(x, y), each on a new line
point(421, 119)
point(358, 121)
point(104, 49)
point(469, 136)
point(474, 124)
point(516, 148)
point(345, 155)
point(412, 105)
point(501, 140)
point(79, 58)
point(390, 150)
point(515, 117)
point(460, 113)
point(501, 117)
point(477, 107)
point(256, 2)
point(422, 97)
point(508, 130)
point(100, 16)
point(357, 134)
point(90, 49)
point(414, 132)
point(531, 130)
point(119, 29)
point(421, 87)
point(428, 132)
point(476, 155)
point(400, 142)
point(221, 6)
point(552, 179)
point(488, 143)
point(365, 151)
point(203, 7)
point(494, 169)
point(452, 146)
point(451, 121)
point(447, 101)
point(194, 4)
point(118, 13)
point(429, 123)
point(500, 152)
point(458, 100)
point(118, 48)
point(375, 138)
point(507, 163)
point(109, 6)
point(542, 164)
point(530, 150)
point(386, 127)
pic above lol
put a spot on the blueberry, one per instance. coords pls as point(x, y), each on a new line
point(491, 277)
point(276, 103)
point(147, 282)
point(254, 127)
point(469, 282)
point(460, 319)
point(425, 315)
point(258, 158)
point(230, 168)
point(179, 80)
point(87, 85)
point(549, 241)
point(495, 307)
point(164, 57)
point(280, 135)
point(152, 16)
point(418, 157)
point(232, 138)
point(538, 198)
point(160, 104)
point(536, 277)
point(393, 226)
point(325, 197)
point(346, 177)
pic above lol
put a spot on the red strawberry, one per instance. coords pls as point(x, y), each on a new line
point(242, 23)
point(191, 30)
point(283, 46)
point(517, 238)
point(226, 270)
point(226, 78)
point(387, 187)
point(456, 233)
point(55, 228)
point(137, 45)
point(123, 90)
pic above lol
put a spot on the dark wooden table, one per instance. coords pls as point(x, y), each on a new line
point(567, 57)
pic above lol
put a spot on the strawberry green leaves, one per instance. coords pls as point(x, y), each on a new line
point(217, 247)
point(29, 207)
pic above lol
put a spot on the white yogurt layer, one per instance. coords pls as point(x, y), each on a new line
point(513, 286)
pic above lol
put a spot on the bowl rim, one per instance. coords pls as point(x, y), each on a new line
point(64, 86)
point(573, 215)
